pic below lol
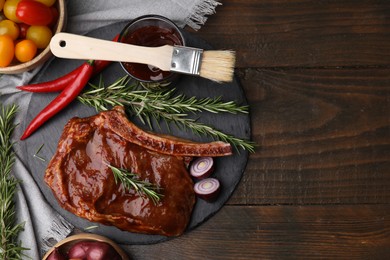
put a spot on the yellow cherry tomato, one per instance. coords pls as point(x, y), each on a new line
point(40, 35)
point(1, 4)
point(25, 50)
point(10, 10)
point(10, 28)
point(47, 2)
point(6, 50)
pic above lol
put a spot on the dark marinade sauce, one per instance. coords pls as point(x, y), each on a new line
point(150, 36)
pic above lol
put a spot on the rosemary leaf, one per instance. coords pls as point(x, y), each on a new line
point(10, 247)
point(36, 155)
point(130, 181)
point(90, 227)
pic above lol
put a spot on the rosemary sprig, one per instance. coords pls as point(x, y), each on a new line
point(10, 248)
point(131, 180)
point(198, 128)
point(122, 93)
point(163, 105)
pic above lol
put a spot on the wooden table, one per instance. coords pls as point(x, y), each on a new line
point(317, 77)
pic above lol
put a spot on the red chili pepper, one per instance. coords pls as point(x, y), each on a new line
point(62, 100)
point(61, 82)
point(53, 85)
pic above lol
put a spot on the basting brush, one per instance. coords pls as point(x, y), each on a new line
point(216, 65)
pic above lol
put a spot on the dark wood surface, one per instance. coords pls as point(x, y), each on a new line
point(317, 78)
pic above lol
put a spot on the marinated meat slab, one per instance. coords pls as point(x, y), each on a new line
point(83, 183)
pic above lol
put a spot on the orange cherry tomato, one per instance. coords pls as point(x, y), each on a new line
point(10, 28)
point(40, 35)
point(25, 50)
point(6, 50)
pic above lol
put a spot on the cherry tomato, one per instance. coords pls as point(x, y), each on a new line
point(25, 50)
point(47, 2)
point(6, 50)
point(10, 10)
point(40, 35)
point(55, 14)
point(1, 4)
point(23, 30)
point(10, 28)
point(2, 16)
point(33, 13)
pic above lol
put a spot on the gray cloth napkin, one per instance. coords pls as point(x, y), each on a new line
point(43, 225)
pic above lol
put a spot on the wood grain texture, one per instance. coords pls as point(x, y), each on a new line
point(317, 78)
point(304, 33)
point(281, 232)
point(323, 136)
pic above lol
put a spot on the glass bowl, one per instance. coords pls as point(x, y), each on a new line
point(151, 31)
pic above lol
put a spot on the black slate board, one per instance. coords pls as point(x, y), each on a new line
point(228, 169)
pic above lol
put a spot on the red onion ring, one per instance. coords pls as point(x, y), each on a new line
point(202, 167)
point(207, 189)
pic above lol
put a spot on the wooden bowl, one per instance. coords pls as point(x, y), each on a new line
point(69, 241)
point(46, 53)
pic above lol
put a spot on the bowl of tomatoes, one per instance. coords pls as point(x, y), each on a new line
point(26, 28)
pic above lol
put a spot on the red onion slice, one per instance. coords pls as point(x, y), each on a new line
point(93, 250)
point(207, 189)
point(202, 167)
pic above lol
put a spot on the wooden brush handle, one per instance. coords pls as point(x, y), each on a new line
point(71, 46)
